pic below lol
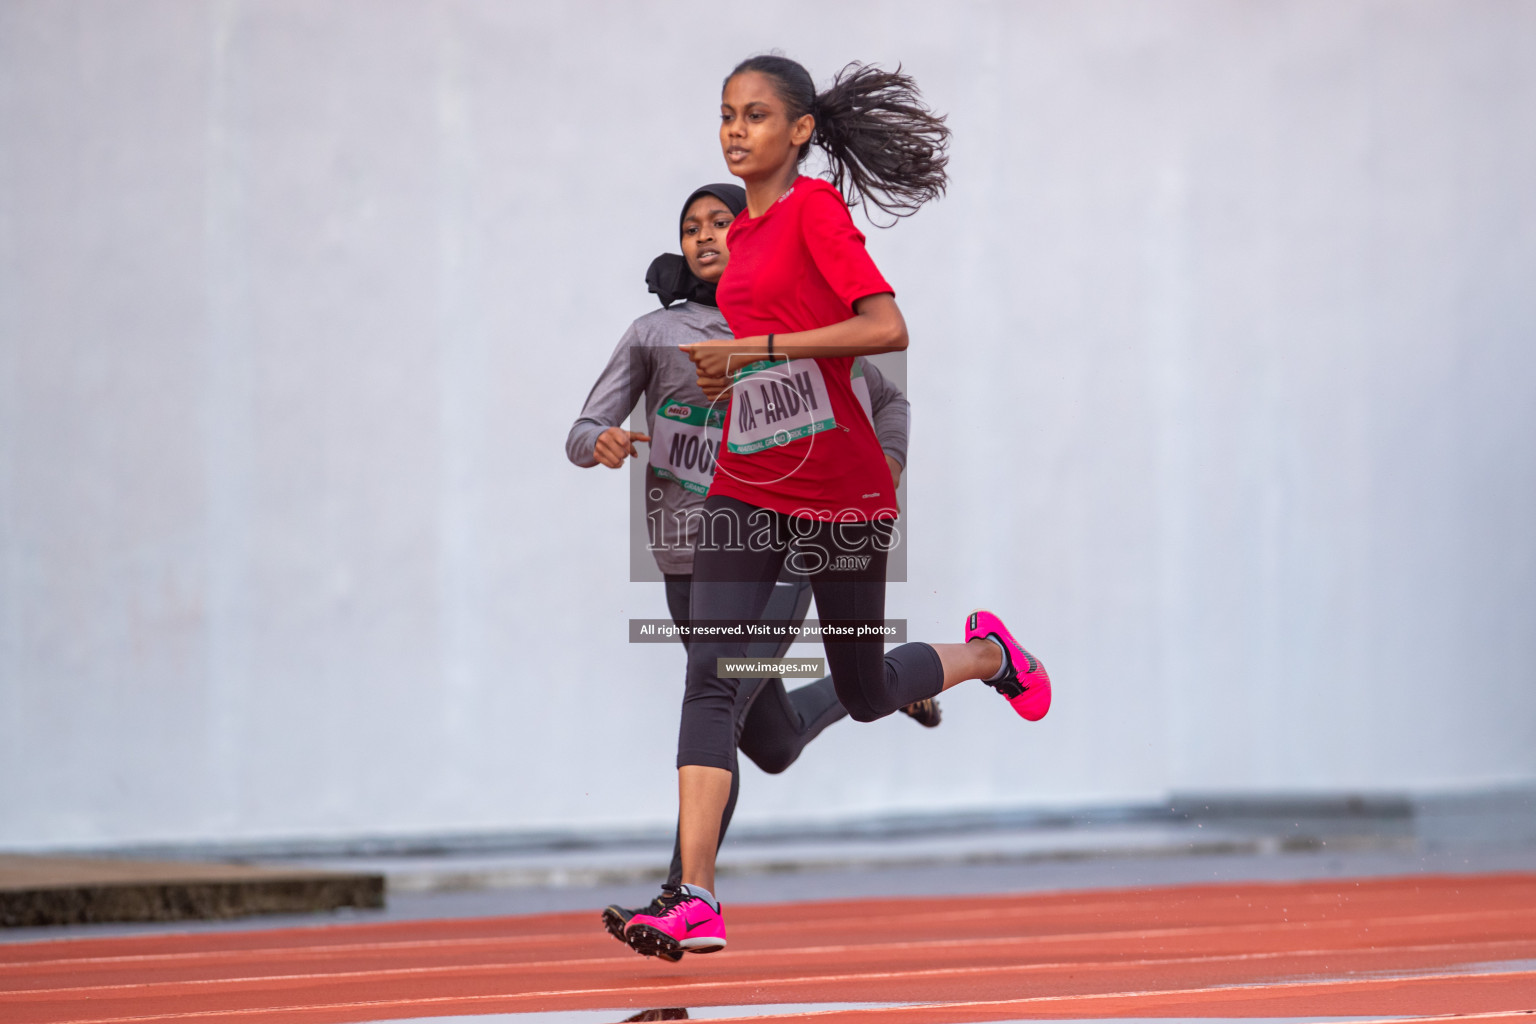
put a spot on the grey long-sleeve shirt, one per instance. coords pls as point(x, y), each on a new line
point(647, 361)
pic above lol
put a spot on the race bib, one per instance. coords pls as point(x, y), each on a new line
point(774, 403)
point(684, 443)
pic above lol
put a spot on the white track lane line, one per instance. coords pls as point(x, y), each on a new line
point(372, 1005)
point(315, 952)
point(146, 988)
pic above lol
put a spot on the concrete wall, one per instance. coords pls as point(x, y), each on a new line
point(1223, 379)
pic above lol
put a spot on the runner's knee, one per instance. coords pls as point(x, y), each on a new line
point(772, 756)
point(707, 731)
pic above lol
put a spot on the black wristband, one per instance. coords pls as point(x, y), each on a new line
point(770, 346)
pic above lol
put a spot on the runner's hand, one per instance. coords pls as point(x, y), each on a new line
point(717, 357)
point(715, 388)
point(614, 444)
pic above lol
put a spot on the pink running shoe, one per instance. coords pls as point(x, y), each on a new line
point(1023, 681)
point(685, 923)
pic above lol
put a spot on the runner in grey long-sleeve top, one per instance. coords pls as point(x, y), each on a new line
point(647, 362)
point(682, 431)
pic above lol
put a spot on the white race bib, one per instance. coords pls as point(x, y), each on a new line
point(774, 403)
point(684, 443)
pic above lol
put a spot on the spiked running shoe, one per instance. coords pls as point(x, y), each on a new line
point(686, 924)
point(924, 712)
point(1023, 680)
point(617, 918)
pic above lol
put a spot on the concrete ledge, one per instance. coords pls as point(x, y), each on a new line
point(946, 841)
point(38, 890)
point(1187, 824)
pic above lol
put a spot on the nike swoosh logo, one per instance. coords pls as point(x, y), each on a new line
point(692, 926)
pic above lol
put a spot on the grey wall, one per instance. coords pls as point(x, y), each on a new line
point(1223, 379)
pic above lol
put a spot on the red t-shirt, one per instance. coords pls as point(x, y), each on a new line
point(804, 445)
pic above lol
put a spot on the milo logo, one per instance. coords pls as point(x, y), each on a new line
point(677, 412)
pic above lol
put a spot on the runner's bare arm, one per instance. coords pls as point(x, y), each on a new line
point(876, 326)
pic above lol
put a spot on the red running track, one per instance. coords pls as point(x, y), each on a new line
point(1431, 947)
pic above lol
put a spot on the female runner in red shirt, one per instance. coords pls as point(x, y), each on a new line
point(800, 462)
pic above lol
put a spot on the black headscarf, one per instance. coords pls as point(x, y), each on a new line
point(668, 275)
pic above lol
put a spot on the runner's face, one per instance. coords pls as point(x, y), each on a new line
point(756, 134)
point(704, 227)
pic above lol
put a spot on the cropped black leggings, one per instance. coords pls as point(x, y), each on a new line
point(773, 725)
point(739, 557)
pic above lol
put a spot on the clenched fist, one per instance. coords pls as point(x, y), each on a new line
point(615, 444)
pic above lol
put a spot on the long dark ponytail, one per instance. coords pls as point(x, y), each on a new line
point(884, 146)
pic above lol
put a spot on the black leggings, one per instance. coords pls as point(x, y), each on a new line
point(774, 724)
point(740, 556)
